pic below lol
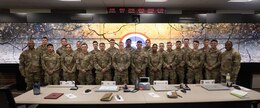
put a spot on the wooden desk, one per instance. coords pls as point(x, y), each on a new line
point(197, 96)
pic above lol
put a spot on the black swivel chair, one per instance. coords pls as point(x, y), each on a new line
point(6, 99)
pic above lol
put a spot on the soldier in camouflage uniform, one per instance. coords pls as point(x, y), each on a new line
point(102, 64)
point(155, 62)
point(95, 48)
point(212, 62)
point(68, 64)
point(194, 62)
point(42, 49)
point(161, 48)
point(51, 65)
point(168, 57)
point(85, 65)
point(230, 62)
point(138, 63)
point(62, 49)
point(78, 50)
point(186, 48)
point(29, 65)
point(204, 50)
point(112, 49)
point(128, 46)
point(180, 61)
point(121, 62)
point(147, 48)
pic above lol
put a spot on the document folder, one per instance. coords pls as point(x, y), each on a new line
point(54, 96)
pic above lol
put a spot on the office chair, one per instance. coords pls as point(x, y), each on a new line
point(6, 99)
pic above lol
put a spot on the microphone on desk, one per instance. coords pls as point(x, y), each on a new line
point(75, 87)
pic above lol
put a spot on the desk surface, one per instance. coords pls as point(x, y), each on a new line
point(196, 95)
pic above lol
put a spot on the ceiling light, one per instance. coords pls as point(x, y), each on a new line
point(70, 0)
point(156, 0)
point(240, 0)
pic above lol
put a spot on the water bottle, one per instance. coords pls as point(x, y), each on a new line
point(229, 84)
point(36, 88)
point(137, 84)
point(227, 78)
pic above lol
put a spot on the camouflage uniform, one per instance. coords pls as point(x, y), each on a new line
point(61, 50)
point(121, 61)
point(102, 61)
point(212, 60)
point(147, 49)
point(94, 51)
point(204, 50)
point(180, 62)
point(155, 61)
point(230, 63)
point(138, 65)
point(112, 51)
point(68, 64)
point(78, 50)
point(186, 51)
point(168, 59)
point(85, 65)
point(194, 63)
point(51, 62)
point(42, 50)
point(129, 49)
point(30, 67)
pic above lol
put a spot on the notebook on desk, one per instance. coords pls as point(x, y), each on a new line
point(214, 87)
point(54, 96)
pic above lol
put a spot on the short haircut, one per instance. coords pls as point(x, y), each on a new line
point(169, 42)
point(95, 42)
point(178, 41)
point(102, 43)
point(214, 40)
point(84, 44)
point(79, 42)
point(63, 39)
point(44, 37)
point(68, 45)
point(196, 41)
point(206, 39)
point(186, 39)
point(139, 42)
point(128, 39)
point(112, 40)
point(155, 45)
point(161, 43)
point(49, 45)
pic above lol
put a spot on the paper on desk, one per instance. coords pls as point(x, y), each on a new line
point(71, 96)
point(154, 95)
point(238, 93)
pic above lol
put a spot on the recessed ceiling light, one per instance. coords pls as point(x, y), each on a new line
point(240, 0)
point(156, 0)
point(70, 0)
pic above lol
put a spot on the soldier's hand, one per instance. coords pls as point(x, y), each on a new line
point(210, 68)
point(168, 66)
point(103, 70)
